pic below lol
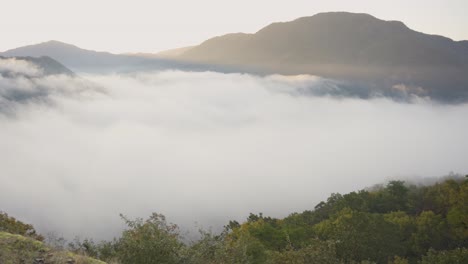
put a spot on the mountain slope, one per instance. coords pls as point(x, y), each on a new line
point(347, 46)
point(82, 60)
point(32, 66)
point(20, 249)
point(173, 53)
point(73, 56)
point(332, 38)
point(167, 54)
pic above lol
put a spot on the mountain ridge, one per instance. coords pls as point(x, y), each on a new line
point(90, 61)
point(368, 54)
point(343, 22)
point(349, 47)
point(72, 56)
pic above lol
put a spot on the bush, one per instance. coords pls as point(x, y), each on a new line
point(11, 225)
point(150, 241)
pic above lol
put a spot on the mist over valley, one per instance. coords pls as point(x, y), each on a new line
point(338, 137)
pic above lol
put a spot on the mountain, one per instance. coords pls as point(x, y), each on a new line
point(169, 54)
point(173, 53)
point(365, 57)
point(89, 61)
point(82, 60)
point(32, 66)
point(351, 47)
point(73, 56)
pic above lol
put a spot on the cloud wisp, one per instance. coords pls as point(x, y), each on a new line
point(205, 147)
point(23, 82)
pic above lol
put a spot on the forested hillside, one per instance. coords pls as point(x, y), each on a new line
point(395, 223)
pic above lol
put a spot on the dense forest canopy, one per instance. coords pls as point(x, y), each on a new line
point(395, 223)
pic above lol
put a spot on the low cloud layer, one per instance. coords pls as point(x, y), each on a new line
point(19, 67)
point(205, 147)
point(25, 81)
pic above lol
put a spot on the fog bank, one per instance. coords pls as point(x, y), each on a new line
point(205, 147)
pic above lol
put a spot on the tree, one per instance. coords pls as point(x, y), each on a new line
point(394, 197)
point(431, 232)
point(361, 236)
point(209, 249)
point(150, 241)
point(241, 247)
point(457, 216)
point(455, 256)
point(317, 252)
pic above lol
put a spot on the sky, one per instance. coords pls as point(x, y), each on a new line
point(202, 147)
point(152, 26)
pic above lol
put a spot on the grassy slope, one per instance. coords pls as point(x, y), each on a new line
point(19, 249)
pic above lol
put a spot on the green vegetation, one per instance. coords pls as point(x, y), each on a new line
point(11, 225)
point(20, 243)
point(15, 249)
point(395, 224)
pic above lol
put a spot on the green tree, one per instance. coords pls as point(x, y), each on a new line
point(455, 256)
point(394, 197)
point(457, 215)
point(150, 241)
point(317, 252)
point(208, 249)
point(241, 247)
point(431, 232)
point(361, 236)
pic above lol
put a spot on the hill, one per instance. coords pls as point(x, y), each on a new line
point(72, 56)
point(20, 249)
point(395, 223)
point(351, 47)
point(32, 66)
point(19, 243)
point(83, 60)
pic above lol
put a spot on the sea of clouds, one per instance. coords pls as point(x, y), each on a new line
point(203, 147)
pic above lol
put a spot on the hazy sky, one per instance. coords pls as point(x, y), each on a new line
point(150, 26)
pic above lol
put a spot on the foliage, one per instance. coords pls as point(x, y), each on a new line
point(208, 249)
point(455, 256)
point(361, 236)
point(16, 248)
point(318, 252)
point(395, 224)
point(149, 241)
point(11, 225)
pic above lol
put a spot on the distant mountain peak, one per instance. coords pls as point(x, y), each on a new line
point(49, 44)
point(346, 46)
point(59, 43)
point(340, 18)
point(343, 16)
point(56, 42)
